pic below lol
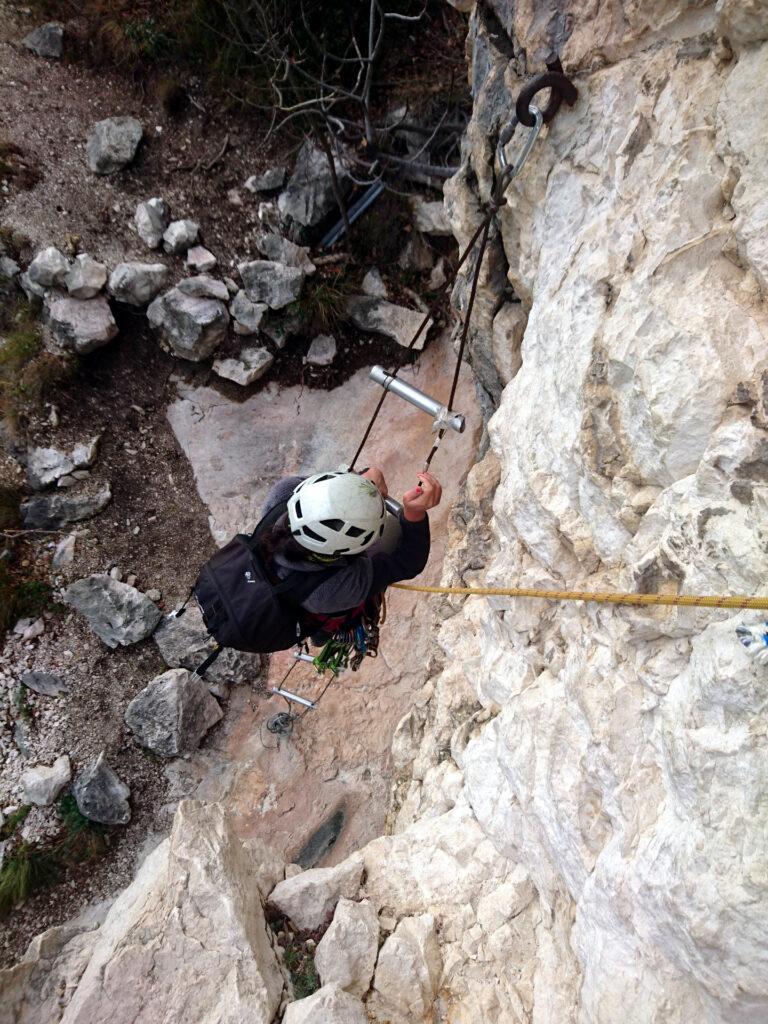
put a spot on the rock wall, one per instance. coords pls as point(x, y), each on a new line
point(581, 805)
point(615, 756)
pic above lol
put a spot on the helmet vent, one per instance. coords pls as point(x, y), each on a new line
point(367, 540)
point(311, 534)
point(334, 524)
point(381, 529)
point(355, 531)
point(298, 509)
point(325, 476)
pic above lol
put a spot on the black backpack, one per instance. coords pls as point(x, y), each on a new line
point(244, 604)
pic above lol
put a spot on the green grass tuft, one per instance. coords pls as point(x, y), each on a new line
point(26, 870)
point(14, 821)
point(84, 839)
point(323, 302)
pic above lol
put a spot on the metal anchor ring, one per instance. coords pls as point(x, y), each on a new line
point(562, 89)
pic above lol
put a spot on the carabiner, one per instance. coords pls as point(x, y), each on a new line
point(509, 172)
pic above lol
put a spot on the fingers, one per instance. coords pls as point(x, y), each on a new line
point(426, 494)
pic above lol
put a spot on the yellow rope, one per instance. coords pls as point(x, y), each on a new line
point(601, 597)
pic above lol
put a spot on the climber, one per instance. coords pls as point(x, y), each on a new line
point(312, 566)
point(333, 521)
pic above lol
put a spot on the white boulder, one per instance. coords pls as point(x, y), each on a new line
point(48, 269)
point(271, 282)
point(249, 366)
point(246, 314)
point(112, 144)
point(346, 954)
point(186, 940)
point(322, 350)
point(86, 277)
point(329, 1005)
point(308, 899)
point(179, 236)
point(152, 218)
point(381, 317)
point(172, 714)
point(82, 324)
point(41, 785)
point(137, 283)
point(200, 259)
point(190, 327)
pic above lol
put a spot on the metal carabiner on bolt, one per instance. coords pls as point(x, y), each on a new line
point(510, 171)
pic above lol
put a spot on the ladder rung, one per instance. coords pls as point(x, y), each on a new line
point(443, 418)
point(293, 696)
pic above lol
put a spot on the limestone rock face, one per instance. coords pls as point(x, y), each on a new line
point(606, 756)
point(346, 954)
point(307, 899)
point(186, 940)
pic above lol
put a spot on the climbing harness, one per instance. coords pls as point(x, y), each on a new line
point(346, 649)
point(530, 116)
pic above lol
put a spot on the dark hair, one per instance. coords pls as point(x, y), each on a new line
point(280, 540)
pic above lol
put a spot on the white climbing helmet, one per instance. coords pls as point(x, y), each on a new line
point(336, 513)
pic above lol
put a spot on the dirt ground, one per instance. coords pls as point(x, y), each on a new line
point(156, 527)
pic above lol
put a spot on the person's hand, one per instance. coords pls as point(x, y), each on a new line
point(427, 495)
point(375, 475)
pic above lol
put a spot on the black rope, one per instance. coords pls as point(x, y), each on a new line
point(561, 89)
point(464, 332)
point(432, 309)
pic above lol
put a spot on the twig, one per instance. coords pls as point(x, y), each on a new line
point(334, 257)
point(212, 163)
point(25, 533)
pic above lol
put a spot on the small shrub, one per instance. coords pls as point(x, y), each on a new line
point(323, 303)
point(83, 839)
point(27, 869)
point(20, 701)
point(301, 966)
point(27, 372)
